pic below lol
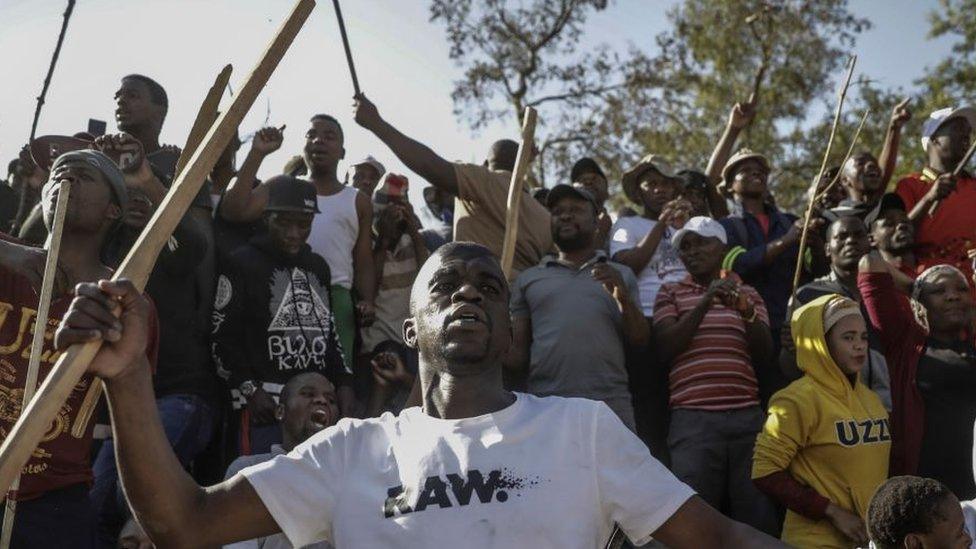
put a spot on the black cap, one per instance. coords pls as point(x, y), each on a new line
point(891, 201)
point(290, 194)
point(562, 190)
point(585, 165)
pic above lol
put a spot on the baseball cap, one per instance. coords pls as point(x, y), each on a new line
point(290, 194)
point(940, 117)
point(563, 190)
point(702, 226)
point(369, 160)
point(649, 162)
point(585, 165)
point(394, 186)
point(102, 163)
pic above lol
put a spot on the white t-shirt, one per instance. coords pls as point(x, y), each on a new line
point(664, 266)
point(543, 472)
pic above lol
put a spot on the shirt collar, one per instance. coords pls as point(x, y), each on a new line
point(552, 260)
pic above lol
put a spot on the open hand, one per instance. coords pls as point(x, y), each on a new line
point(742, 115)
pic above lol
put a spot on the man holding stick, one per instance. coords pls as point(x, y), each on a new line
point(475, 466)
point(482, 191)
point(945, 235)
point(53, 507)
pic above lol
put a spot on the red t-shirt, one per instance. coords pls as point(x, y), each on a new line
point(763, 220)
point(946, 236)
point(64, 456)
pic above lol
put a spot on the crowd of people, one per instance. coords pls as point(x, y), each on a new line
point(345, 373)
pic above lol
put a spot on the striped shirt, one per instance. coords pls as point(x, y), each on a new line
point(715, 371)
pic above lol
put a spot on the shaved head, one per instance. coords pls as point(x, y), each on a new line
point(502, 155)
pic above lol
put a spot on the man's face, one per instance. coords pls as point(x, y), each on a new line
point(893, 232)
point(573, 223)
point(862, 174)
point(750, 178)
point(323, 144)
point(656, 190)
point(596, 184)
point(847, 242)
point(698, 200)
point(289, 230)
point(949, 533)
point(460, 321)
point(134, 108)
point(952, 140)
point(140, 209)
point(91, 204)
point(310, 407)
point(702, 256)
point(365, 178)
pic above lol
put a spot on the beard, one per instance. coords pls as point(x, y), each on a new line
point(577, 241)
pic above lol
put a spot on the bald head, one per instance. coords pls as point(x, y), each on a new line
point(502, 155)
point(463, 251)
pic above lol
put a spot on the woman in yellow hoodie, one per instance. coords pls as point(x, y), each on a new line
point(824, 448)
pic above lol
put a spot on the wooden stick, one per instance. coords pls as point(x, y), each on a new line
point(138, 264)
point(37, 343)
point(50, 68)
point(823, 167)
point(515, 190)
point(850, 150)
point(955, 173)
point(345, 44)
point(205, 118)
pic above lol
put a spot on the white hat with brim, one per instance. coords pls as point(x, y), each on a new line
point(702, 226)
point(940, 117)
point(632, 176)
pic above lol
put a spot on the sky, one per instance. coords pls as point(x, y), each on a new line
point(401, 60)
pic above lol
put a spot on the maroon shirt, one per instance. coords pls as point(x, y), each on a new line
point(63, 457)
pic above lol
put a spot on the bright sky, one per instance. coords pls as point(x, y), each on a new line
point(401, 59)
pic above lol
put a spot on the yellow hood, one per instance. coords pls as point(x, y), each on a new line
point(812, 355)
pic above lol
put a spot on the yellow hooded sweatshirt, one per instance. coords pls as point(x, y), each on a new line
point(828, 434)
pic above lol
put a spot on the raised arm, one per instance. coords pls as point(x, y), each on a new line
point(888, 312)
point(243, 200)
point(889, 154)
point(415, 155)
point(171, 507)
point(740, 117)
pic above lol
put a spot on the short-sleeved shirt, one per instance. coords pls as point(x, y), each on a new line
point(542, 472)
point(63, 456)
point(664, 266)
point(946, 236)
point(480, 210)
point(393, 295)
point(577, 332)
point(715, 372)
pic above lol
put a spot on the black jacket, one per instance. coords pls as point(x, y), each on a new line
point(272, 316)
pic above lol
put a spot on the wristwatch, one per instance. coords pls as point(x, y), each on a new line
point(247, 388)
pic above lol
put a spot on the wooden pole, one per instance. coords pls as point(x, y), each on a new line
point(205, 118)
point(37, 343)
point(515, 190)
point(345, 45)
point(955, 173)
point(850, 150)
point(138, 264)
point(50, 68)
point(823, 167)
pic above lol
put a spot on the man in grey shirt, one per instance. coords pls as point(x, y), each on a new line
point(575, 312)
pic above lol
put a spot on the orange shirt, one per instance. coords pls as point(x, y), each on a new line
point(946, 236)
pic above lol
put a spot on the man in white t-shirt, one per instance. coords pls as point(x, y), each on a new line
point(475, 466)
point(643, 243)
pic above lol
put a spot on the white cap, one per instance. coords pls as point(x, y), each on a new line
point(372, 162)
point(702, 226)
point(940, 117)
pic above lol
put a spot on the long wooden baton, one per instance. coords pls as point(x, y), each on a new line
point(37, 343)
point(205, 118)
point(515, 190)
point(955, 173)
point(823, 167)
point(138, 264)
point(50, 69)
point(345, 44)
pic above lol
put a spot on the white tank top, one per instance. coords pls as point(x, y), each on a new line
point(334, 233)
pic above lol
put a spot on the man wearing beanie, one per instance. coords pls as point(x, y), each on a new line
point(53, 507)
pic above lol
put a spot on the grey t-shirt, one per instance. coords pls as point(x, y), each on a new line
point(577, 332)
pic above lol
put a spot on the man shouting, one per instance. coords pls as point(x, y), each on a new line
point(474, 466)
